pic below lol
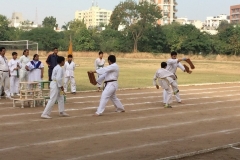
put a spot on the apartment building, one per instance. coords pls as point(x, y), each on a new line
point(235, 14)
point(214, 22)
point(95, 16)
point(168, 8)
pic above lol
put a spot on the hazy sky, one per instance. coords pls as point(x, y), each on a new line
point(64, 10)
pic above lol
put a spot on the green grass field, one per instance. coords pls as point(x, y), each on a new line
point(138, 73)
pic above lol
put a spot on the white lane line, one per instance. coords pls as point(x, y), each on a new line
point(160, 95)
point(154, 144)
point(204, 151)
point(114, 121)
point(187, 105)
point(156, 92)
point(129, 104)
point(117, 132)
point(145, 97)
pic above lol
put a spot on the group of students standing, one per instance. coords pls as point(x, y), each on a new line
point(25, 69)
point(18, 70)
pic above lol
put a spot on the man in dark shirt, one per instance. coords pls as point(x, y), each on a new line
point(52, 62)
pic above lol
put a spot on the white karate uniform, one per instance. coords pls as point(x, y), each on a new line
point(4, 76)
point(14, 79)
point(34, 73)
point(55, 91)
point(165, 79)
point(172, 65)
point(109, 73)
point(99, 63)
point(69, 76)
point(23, 72)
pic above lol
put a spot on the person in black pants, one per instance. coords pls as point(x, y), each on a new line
point(52, 62)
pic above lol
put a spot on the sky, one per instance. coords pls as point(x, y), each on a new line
point(64, 10)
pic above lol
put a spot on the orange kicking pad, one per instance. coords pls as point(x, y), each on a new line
point(190, 63)
point(187, 69)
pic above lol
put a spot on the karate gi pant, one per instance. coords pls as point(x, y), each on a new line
point(4, 82)
point(55, 95)
point(109, 93)
point(72, 82)
point(14, 84)
point(167, 93)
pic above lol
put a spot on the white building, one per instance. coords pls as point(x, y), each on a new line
point(214, 22)
point(168, 8)
point(95, 16)
point(197, 23)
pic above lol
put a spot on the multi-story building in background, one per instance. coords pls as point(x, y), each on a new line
point(168, 8)
point(214, 22)
point(95, 16)
point(235, 14)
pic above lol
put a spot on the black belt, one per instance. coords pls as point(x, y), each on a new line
point(3, 71)
point(106, 82)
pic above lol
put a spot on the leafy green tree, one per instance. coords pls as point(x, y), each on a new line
point(83, 40)
point(76, 25)
point(153, 40)
point(135, 17)
point(50, 22)
point(4, 29)
point(46, 38)
point(223, 26)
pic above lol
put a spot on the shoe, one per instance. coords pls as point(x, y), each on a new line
point(74, 93)
point(63, 114)
point(45, 116)
point(96, 115)
point(119, 111)
point(167, 106)
point(175, 92)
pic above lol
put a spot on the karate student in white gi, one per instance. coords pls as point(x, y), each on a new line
point(56, 91)
point(35, 68)
point(172, 65)
point(110, 75)
point(99, 63)
point(165, 80)
point(24, 59)
point(14, 67)
point(69, 68)
point(4, 73)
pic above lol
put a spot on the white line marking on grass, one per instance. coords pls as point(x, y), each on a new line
point(153, 144)
point(204, 151)
point(118, 132)
point(114, 121)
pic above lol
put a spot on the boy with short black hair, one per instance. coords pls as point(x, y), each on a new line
point(56, 91)
point(69, 68)
point(14, 66)
point(165, 80)
point(99, 63)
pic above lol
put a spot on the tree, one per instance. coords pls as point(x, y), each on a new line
point(4, 29)
point(83, 41)
point(76, 24)
point(50, 22)
point(223, 26)
point(65, 26)
point(47, 38)
point(135, 17)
